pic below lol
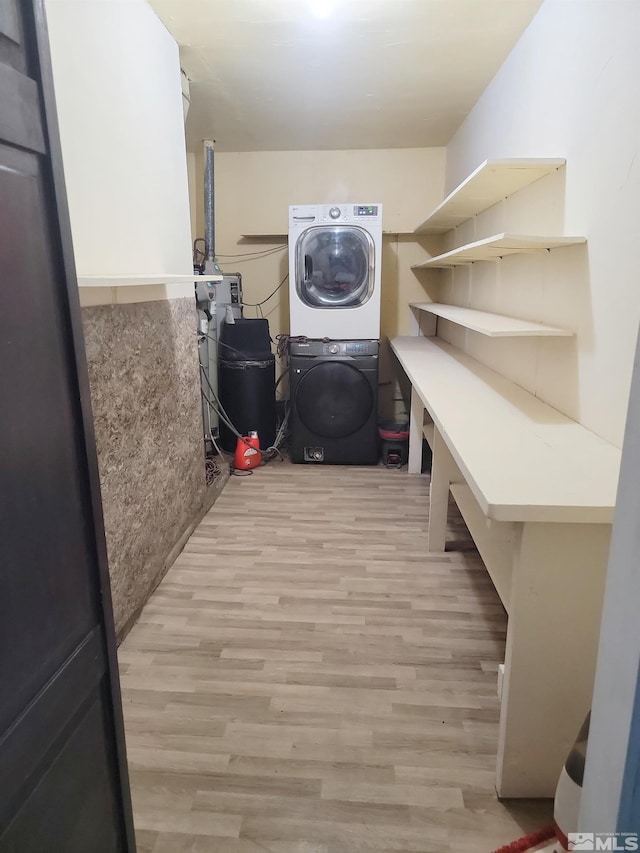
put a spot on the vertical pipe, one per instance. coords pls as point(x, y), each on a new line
point(210, 267)
point(209, 207)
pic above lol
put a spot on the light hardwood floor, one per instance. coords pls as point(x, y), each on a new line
point(306, 680)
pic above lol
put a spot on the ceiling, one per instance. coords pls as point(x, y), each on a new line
point(269, 75)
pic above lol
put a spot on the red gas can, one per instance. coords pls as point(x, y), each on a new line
point(247, 453)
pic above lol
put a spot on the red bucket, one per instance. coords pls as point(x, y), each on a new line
point(395, 443)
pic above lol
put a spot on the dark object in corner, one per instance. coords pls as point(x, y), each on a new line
point(247, 382)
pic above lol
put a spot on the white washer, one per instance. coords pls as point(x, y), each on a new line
point(335, 264)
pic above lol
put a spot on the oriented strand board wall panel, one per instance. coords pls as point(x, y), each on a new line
point(118, 92)
point(145, 391)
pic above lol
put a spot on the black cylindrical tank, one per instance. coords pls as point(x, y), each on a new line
point(247, 382)
point(248, 396)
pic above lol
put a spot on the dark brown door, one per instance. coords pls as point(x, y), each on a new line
point(63, 777)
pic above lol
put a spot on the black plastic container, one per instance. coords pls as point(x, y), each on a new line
point(248, 395)
point(245, 340)
point(247, 382)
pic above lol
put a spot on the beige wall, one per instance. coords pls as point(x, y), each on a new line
point(581, 105)
point(116, 73)
point(253, 193)
point(254, 189)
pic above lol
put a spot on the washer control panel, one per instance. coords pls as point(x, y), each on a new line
point(335, 214)
point(354, 349)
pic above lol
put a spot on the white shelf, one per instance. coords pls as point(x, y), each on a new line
point(496, 246)
point(491, 182)
point(140, 280)
point(254, 235)
point(493, 325)
point(284, 237)
point(522, 459)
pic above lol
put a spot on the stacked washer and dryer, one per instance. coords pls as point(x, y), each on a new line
point(335, 258)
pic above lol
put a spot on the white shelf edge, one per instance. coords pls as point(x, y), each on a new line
point(140, 280)
point(537, 168)
point(400, 232)
point(481, 322)
point(255, 235)
point(496, 246)
point(435, 367)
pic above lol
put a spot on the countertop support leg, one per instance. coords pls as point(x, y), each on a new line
point(415, 433)
point(442, 475)
point(552, 642)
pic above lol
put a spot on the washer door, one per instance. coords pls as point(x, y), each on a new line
point(333, 399)
point(334, 266)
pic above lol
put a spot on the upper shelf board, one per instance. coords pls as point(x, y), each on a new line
point(492, 248)
point(493, 325)
point(254, 235)
point(140, 280)
point(491, 182)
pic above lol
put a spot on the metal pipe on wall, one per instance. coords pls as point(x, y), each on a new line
point(210, 365)
point(209, 204)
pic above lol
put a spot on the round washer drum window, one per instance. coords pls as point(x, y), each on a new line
point(334, 400)
point(334, 266)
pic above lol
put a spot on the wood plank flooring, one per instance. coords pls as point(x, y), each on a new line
point(306, 680)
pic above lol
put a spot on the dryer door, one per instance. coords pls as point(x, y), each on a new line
point(334, 266)
point(334, 399)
